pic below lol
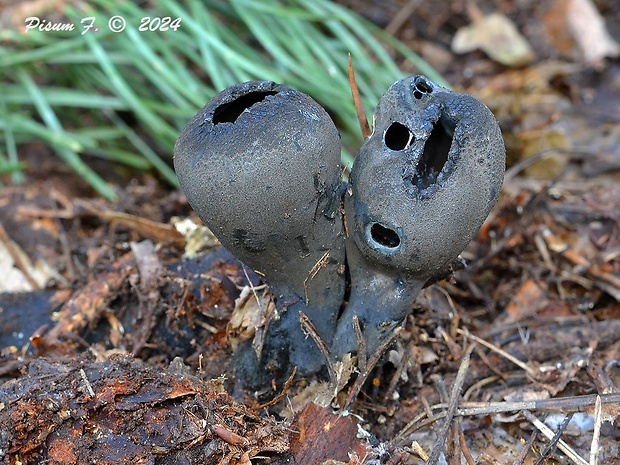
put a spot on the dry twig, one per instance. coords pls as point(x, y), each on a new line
point(452, 406)
point(362, 356)
point(279, 397)
point(566, 404)
point(359, 106)
point(526, 449)
point(363, 376)
point(310, 330)
point(544, 429)
point(530, 371)
point(598, 420)
point(464, 449)
point(553, 444)
point(321, 263)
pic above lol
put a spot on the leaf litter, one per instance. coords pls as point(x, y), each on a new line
point(513, 359)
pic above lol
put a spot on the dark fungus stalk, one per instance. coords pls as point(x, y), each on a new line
point(260, 165)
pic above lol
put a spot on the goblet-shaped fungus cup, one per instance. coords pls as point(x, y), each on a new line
point(260, 165)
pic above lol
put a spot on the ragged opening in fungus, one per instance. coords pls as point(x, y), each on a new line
point(384, 236)
point(421, 87)
point(397, 137)
point(435, 154)
point(229, 112)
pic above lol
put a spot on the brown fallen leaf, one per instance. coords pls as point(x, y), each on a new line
point(589, 31)
point(253, 309)
point(323, 436)
point(528, 300)
point(498, 37)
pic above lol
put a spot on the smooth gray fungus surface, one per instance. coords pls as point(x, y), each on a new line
point(260, 165)
point(429, 200)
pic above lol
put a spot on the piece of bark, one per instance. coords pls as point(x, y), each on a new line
point(123, 411)
point(322, 436)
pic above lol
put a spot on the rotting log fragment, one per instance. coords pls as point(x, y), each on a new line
point(138, 414)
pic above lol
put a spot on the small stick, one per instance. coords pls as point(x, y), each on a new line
point(530, 371)
point(362, 377)
point(229, 436)
point(584, 403)
point(526, 449)
point(544, 429)
point(401, 17)
point(404, 361)
point(553, 443)
point(252, 288)
point(280, 396)
point(310, 330)
point(362, 356)
point(464, 449)
point(417, 448)
point(321, 263)
point(598, 420)
point(484, 357)
point(359, 106)
point(452, 406)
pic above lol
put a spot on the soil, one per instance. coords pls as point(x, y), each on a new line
point(117, 348)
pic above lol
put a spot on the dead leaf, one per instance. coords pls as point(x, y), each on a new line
point(148, 263)
point(589, 31)
point(19, 273)
point(498, 37)
point(323, 393)
point(548, 144)
point(322, 436)
point(528, 300)
point(526, 394)
point(197, 238)
point(252, 311)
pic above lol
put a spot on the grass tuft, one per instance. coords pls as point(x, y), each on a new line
point(125, 96)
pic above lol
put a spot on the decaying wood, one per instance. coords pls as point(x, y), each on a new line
point(123, 411)
point(541, 294)
point(320, 435)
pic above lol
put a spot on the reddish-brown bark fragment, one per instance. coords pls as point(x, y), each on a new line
point(139, 414)
point(321, 435)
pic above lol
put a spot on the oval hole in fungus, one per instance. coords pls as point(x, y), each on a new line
point(397, 137)
point(384, 236)
point(229, 112)
point(423, 86)
point(435, 154)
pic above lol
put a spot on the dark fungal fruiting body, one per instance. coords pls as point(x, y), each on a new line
point(435, 192)
point(260, 164)
point(421, 187)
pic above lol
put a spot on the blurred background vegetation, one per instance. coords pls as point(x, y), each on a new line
point(125, 96)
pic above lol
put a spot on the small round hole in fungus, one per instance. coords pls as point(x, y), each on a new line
point(397, 137)
point(229, 112)
point(423, 86)
point(384, 236)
